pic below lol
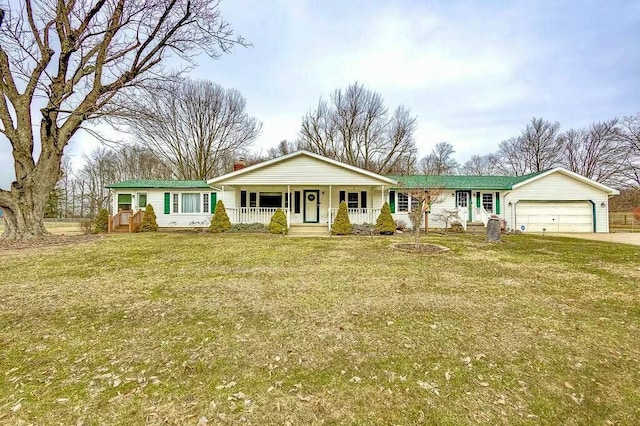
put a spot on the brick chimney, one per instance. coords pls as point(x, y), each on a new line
point(240, 163)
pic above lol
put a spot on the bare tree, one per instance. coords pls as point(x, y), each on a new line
point(510, 158)
point(538, 148)
point(480, 165)
point(355, 127)
point(597, 152)
point(630, 132)
point(283, 148)
point(440, 161)
point(75, 61)
point(196, 127)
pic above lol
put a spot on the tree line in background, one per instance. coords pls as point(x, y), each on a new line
point(197, 129)
point(66, 64)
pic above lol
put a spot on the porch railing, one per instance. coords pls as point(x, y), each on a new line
point(357, 216)
point(120, 218)
point(254, 214)
point(462, 217)
point(135, 222)
point(482, 214)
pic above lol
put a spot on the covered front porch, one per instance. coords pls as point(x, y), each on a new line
point(303, 205)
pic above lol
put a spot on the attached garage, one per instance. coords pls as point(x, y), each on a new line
point(558, 201)
point(554, 216)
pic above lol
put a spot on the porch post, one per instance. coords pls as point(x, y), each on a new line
point(289, 204)
point(329, 211)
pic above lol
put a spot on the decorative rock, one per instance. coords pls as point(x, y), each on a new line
point(493, 229)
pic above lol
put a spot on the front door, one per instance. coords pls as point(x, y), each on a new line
point(311, 206)
point(463, 198)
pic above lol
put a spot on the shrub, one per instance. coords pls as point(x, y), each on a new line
point(87, 226)
point(341, 224)
point(220, 221)
point(102, 222)
point(364, 229)
point(249, 228)
point(401, 225)
point(278, 223)
point(149, 222)
point(636, 213)
point(385, 224)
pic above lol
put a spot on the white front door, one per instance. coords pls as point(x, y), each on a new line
point(311, 211)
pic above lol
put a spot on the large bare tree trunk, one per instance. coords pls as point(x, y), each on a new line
point(24, 204)
point(76, 61)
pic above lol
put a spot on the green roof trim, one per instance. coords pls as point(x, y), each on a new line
point(459, 181)
point(165, 184)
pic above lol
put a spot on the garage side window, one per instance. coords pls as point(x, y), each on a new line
point(487, 202)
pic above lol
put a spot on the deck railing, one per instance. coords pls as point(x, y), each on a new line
point(135, 221)
point(120, 218)
point(482, 214)
point(357, 216)
point(253, 214)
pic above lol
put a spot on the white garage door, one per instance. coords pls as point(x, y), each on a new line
point(572, 216)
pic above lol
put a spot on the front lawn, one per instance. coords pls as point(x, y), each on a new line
point(169, 328)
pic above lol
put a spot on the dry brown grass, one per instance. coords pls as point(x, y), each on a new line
point(169, 328)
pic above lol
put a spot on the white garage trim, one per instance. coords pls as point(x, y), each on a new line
point(555, 216)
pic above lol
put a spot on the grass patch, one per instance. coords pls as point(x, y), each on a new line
point(165, 328)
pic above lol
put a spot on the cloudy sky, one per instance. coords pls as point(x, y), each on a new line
point(473, 72)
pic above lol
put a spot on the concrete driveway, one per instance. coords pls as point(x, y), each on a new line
point(616, 237)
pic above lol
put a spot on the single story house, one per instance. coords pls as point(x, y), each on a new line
point(309, 187)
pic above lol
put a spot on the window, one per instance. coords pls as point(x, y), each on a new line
point(403, 202)
point(175, 203)
point(463, 199)
point(243, 198)
point(352, 200)
point(487, 202)
point(415, 203)
point(271, 199)
point(296, 203)
point(253, 199)
point(205, 203)
point(142, 200)
point(124, 201)
point(190, 203)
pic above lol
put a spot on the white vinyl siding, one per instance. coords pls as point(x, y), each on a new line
point(557, 187)
point(302, 170)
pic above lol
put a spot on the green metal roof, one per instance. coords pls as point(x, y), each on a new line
point(459, 181)
point(151, 183)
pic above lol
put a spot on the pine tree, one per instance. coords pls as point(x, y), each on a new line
point(102, 222)
point(149, 220)
point(385, 223)
point(220, 221)
point(341, 224)
point(278, 223)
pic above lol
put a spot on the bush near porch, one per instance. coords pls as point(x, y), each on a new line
point(269, 330)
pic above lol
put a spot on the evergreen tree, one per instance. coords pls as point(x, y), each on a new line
point(278, 223)
point(220, 221)
point(385, 223)
point(341, 224)
point(149, 220)
point(102, 222)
